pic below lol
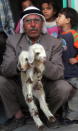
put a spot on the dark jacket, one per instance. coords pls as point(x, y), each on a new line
point(71, 70)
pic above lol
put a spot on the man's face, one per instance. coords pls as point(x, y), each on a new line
point(33, 26)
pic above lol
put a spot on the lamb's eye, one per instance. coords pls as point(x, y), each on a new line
point(37, 53)
point(26, 59)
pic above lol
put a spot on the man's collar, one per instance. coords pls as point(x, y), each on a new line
point(30, 42)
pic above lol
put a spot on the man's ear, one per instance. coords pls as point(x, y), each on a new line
point(44, 28)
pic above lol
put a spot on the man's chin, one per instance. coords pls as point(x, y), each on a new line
point(33, 36)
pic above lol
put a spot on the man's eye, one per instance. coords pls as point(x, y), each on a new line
point(27, 21)
point(37, 20)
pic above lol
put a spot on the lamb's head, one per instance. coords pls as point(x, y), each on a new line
point(37, 52)
point(23, 61)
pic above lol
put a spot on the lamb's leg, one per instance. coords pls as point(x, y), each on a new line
point(34, 113)
point(32, 107)
point(29, 87)
point(43, 105)
point(27, 84)
point(27, 90)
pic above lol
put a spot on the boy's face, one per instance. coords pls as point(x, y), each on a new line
point(48, 11)
point(62, 20)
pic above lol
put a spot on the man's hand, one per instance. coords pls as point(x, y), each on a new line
point(73, 61)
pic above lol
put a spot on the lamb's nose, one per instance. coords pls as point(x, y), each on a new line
point(22, 69)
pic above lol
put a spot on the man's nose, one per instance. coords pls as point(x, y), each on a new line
point(33, 23)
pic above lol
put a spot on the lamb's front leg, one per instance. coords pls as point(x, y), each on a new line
point(29, 96)
point(27, 91)
point(27, 84)
point(43, 105)
point(34, 113)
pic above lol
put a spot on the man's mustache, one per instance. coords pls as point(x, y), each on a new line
point(33, 29)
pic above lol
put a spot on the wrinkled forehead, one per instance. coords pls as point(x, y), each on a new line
point(32, 16)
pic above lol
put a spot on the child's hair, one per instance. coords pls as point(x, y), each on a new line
point(22, 1)
point(72, 14)
point(54, 4)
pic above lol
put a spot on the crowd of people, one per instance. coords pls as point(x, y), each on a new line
point(56, 30)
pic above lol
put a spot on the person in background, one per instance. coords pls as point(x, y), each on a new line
point(6, 19)
point(50, 11)
point(6, 25)
point(68, 21)
point(24, 4)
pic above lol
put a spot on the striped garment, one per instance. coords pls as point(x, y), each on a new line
point(6, 20)
point(52, 29)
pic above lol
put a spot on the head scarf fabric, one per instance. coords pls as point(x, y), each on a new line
point(32, 10)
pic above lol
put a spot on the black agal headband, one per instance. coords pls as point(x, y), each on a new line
point(31, 11)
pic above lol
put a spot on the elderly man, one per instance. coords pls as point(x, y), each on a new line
point(32, 30)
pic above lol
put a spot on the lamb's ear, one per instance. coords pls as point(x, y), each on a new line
point(31, 56)
point(18, 66)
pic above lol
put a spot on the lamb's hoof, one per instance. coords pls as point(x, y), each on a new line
point(52, 119)
point(41, 127)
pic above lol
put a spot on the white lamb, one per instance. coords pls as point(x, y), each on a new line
point(32, 67)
